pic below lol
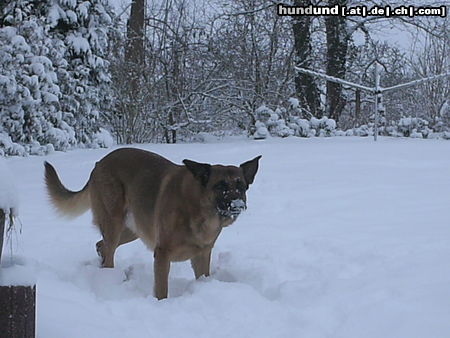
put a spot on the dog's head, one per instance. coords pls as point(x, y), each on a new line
point(225, 186)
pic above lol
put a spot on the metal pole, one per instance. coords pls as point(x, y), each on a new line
point(415, 82)
point(377, 93)
point(377, 90)
point(333, 79)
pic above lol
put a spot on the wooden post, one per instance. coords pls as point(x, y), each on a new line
point(17, 311)
point(17, 303)
point(2, 231)
point(357, 104)
point(376, 98)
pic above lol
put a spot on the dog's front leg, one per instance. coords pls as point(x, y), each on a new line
point(201, 263)
point(161, 267)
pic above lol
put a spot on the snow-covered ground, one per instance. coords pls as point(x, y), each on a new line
point(343, 237)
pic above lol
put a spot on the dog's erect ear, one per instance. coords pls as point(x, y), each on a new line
point(201, 171)
point(250, 168)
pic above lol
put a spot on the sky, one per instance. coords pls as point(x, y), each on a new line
point(395, 33)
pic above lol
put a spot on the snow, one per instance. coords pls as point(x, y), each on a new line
point(103, 138)
point(294, 103)
point(343, 237)
point(78, 43)
point(261, 131)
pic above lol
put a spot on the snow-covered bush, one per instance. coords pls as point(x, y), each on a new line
point(263, 113)
point(294, 108)
point(279, 128)
point(8, 147)
point(323, 126)
point(445, 135)
point(302, 127)
point(102, 139)
point(364, 130)
point(413, 126)
point(314, 127)
point(261, 131)
point(272, 122)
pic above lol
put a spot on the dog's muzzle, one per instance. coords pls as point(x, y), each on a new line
point(234, 209)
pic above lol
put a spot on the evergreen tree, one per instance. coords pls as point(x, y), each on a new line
point(29, 93)
point(79, 30)
point(54, 76)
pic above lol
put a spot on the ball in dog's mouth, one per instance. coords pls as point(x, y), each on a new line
point(234, 209)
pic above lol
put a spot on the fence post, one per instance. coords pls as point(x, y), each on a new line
point(376, 96)
point(17, 303)
point(2, 230)
point(17, 311)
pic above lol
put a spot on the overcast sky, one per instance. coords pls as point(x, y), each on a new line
point(396, 34)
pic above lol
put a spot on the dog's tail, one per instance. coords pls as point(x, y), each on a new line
point(68, 203)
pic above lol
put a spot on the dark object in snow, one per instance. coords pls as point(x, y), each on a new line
point(17, 303)
point(2, 231)
point(17, 311)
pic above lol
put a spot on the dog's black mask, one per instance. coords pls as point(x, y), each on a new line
point(230, 197)
point(229, 184)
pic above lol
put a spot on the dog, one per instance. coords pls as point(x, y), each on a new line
point(178, 211)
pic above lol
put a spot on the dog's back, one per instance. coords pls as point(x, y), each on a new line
point(123, 171)
point(122, 190)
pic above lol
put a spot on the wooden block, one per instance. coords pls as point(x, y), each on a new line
point(17, 311)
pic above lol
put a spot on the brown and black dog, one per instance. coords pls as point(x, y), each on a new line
point(178, 211)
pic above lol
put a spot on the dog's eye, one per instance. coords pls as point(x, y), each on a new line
point(240, 185)
point(221, 186)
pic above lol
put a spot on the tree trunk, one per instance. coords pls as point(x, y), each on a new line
point(134, 52)
point(337, 45)
point(357, 106)
point(134, 57)
point(305, 85)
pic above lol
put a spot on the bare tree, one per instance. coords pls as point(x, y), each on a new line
point(306, 88)
point(433, 58)
point(337, 46)
point(127, 65)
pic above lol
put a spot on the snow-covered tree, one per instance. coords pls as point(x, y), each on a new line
point(53, 73)
point(29, 91)
point(79, 31)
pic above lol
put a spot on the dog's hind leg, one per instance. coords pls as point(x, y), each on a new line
point(126, 236)
point(107, 204)
point(111, 238)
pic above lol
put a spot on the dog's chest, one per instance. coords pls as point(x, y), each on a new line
point(201, 236)
point(205, 232)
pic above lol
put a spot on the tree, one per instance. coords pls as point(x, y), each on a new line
point(337, 46)
point(79, 30)
point(54, 77)
point(29, 90)
point(306, 89)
